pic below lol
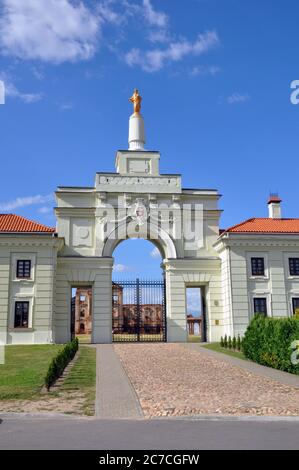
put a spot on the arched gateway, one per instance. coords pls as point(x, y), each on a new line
point(138, 202)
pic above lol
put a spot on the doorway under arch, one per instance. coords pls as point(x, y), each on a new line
point(138, 293)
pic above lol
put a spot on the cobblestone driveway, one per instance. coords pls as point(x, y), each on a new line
point(172, 380)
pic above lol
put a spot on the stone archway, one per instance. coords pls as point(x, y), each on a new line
point(159, 237)
point(154, 291)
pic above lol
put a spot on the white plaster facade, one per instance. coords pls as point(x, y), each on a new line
point(38, 290)
point(92, 221)
point(240, 287)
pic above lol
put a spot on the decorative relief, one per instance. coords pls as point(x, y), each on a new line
point(132, 181)
point(82, 232)
point(139, 166)
point(139, 211)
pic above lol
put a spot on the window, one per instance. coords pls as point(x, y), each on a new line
point(257, 267)
point(295, 302)
point(21, 314)
point(294, 266)
point(23, 268)
point(82, 298)
point(260, 305)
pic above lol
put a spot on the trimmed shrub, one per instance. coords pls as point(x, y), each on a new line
point(222, 342)
point(230, 344)
point(267, 341)
point(239, 343)
point(60, 361)
point(234, 343)
point(225, 341)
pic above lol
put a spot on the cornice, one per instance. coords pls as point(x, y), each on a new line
point(257, 241)
point(195, 264)
point(77, 211)
point(29, 243)
point(90, 262)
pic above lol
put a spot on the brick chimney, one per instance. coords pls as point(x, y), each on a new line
point(274, 206)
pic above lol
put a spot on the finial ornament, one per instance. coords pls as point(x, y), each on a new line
point(136, 100)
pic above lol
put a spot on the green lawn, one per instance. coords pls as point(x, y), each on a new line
point(82, 377)
point(216, 347)
point(22, 375)
point(84, 339)
point(194, 339)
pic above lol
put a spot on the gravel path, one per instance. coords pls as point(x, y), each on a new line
point(171, 380)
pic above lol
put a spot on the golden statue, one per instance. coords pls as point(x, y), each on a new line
point(136, 100)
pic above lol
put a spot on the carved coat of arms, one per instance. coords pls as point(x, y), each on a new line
point(139, 212)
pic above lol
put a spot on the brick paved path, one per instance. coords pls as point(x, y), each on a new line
point(171, 380)
point(115, 396)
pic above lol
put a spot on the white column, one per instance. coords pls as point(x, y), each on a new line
point(102, 303)
point(175, 306)
point(136, 132)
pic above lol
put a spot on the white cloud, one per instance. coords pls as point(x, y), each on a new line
point(154, 17)
point(109, 15)
point(159, 35)
point(44, 210)
point(155, 253)
point(155, 59)
point(120, 12)
point(66, 106)
point(193, 300)
point(38, 74)
point(25, 201)
point(121, 268)
point(238, 98)
point(12, 91)
point(48, 30)
point(204, 70)
point(56, 31)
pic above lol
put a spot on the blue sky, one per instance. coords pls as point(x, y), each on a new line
point(215, 78)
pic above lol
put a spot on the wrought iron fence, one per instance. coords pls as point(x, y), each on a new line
point(138, 311)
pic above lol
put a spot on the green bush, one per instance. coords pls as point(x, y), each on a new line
point(225, 341)
point(234, 343)
point(239, 343)
point(267, 341)
point(222, 342)
point(60, 361)
point(230, 344)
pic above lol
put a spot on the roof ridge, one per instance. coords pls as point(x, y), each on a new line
point(266, 225)
point(19, 223)
point(238, 225)
point(280, 218)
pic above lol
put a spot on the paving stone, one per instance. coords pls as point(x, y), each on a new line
point(171, 380)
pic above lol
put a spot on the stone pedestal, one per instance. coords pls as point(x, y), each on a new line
point(136, 132)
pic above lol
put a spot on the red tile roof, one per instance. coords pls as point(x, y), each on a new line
point(269, 225)
point(11, 223)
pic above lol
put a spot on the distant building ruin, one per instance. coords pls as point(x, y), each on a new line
point(82, 303)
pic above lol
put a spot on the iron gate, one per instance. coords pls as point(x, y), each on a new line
point(138, 311)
